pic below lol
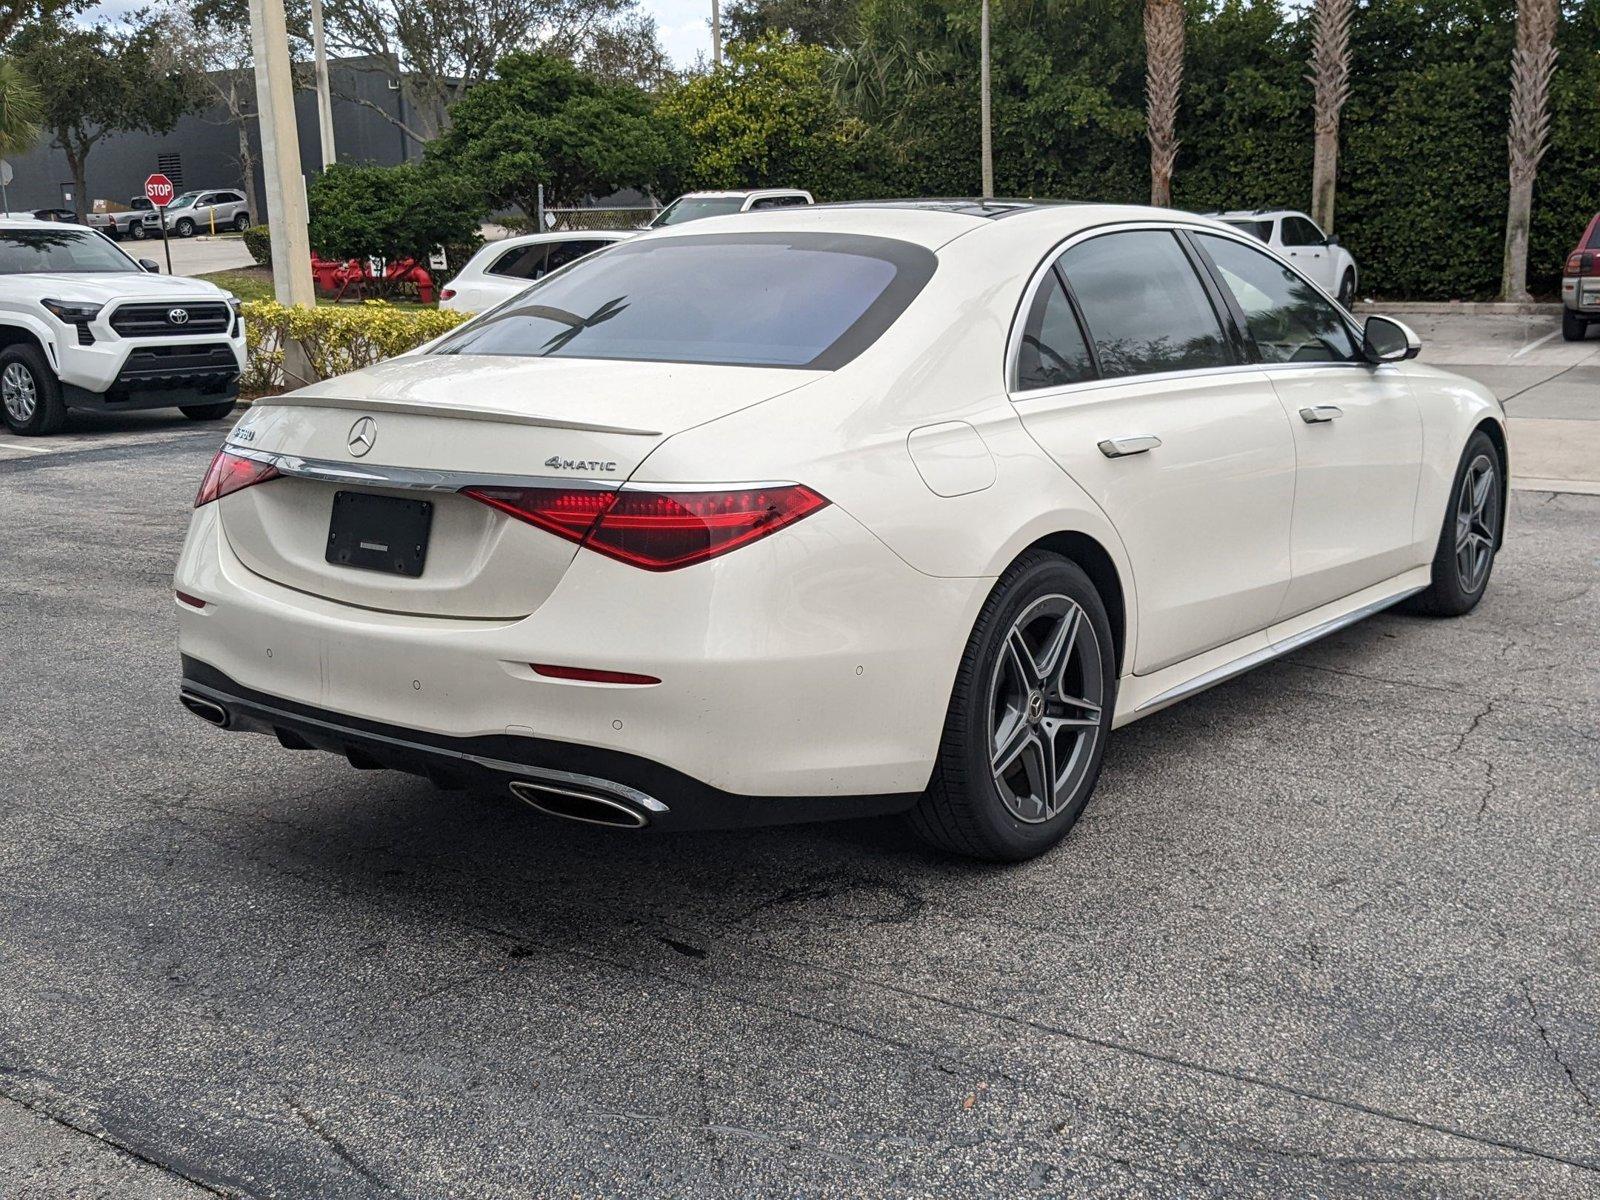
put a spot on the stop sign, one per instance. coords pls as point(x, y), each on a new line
point(158, 190)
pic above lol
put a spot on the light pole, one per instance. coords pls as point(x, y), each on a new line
point(716, 33)
point(280, 163)
point(319, 51)
point(983, 103)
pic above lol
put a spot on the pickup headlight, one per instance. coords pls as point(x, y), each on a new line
point(236, 304)
point(73, 314)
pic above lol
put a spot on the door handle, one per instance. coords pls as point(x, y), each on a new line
point(1124, 446)
point(1321, 413)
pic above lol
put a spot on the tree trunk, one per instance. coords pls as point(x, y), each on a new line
point(1163, 43)
point(1533, 62)
point(1330, 81)
point(1324, 173)
point(76, 163)
point(247, 168)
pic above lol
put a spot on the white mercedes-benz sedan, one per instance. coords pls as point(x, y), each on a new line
point(829, 511)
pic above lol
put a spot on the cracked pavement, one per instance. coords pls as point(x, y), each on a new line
point(1328, 929)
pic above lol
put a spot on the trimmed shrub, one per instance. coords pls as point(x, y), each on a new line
point(258, 241)
point(337, 339)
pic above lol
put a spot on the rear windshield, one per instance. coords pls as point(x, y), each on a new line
point(1261, 230)
point(753, 299)
point(32, 251)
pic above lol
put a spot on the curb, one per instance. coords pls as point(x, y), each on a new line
point(1497, 308)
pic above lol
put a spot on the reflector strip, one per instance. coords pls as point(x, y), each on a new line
point(591, 675)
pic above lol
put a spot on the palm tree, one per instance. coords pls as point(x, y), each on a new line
point(1163, 51)
point(1533, 62)
point(19, 110)
point(1330, 81)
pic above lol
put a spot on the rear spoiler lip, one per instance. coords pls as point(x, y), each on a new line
point(430, 408)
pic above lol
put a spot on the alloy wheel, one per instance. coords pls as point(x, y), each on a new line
point(1477, 515)
point(1045, 701)
point(18, 393)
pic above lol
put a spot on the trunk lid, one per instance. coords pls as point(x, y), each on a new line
point(441, 422)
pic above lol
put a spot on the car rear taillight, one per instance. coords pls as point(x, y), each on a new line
point(230, 473)
point(657, 530)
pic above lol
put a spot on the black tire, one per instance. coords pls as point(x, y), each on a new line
point(47, 414)
point(241, 222)
point(963, 810)
point(207, 412)
point(1347, 289)
point(1573, 327)
point(184, 227)
point(136, 231)
point(1453, 592)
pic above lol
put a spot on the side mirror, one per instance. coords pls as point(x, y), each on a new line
point(1331, 240)
point(151, 265)
point(1384, 339)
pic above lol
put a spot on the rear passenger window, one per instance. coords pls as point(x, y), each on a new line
point(525, 262)
point(1289, 320)
point(1145, 307)
point(561, 253)
point(1052, 352)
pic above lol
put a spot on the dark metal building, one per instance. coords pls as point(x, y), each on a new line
point(202, 151)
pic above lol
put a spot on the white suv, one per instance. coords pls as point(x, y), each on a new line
point(1318, 255)
point(82, 325)
point(692, 206)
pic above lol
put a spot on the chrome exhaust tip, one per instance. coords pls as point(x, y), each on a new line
point(206, 710)
point(578, 804)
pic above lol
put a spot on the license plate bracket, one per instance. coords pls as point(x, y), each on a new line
point(379, 533)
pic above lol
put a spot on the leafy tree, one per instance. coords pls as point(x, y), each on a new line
point(391, 212)
point(769, 118)
point(436, 51)
point(828, 23)
point(93, 82)
point(543, 120)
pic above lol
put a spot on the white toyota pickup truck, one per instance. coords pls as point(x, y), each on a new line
point(82, 325)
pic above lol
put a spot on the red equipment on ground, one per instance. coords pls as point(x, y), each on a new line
point(354, 279)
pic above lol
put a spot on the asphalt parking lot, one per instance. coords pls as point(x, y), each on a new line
point(1329, 929)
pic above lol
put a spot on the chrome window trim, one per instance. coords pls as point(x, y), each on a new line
point(1042, 269)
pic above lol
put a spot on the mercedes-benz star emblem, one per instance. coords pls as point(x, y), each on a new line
point(178, 316)
point(363, 436)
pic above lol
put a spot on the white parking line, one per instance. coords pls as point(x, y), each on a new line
point(29, 449)
point(1538, 342)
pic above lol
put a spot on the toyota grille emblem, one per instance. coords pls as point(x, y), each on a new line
point(363, 436)
point(178, 316)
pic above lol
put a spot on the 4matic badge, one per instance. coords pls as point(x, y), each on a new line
point(556, 462)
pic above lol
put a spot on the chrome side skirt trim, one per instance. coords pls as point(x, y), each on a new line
point(1276, 650)
point(559, 778)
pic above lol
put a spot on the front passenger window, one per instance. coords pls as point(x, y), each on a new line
point(1289, 319)
point(1145, 307)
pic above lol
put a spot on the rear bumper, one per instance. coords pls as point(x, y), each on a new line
point(1581, 294)
point(658, 796)
point(812, 664)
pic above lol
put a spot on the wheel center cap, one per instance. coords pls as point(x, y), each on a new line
point(1035, 706)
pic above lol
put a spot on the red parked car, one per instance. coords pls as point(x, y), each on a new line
point(1580, 285)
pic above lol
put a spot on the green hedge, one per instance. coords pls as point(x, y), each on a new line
point(337, 339)
point(258, 240)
